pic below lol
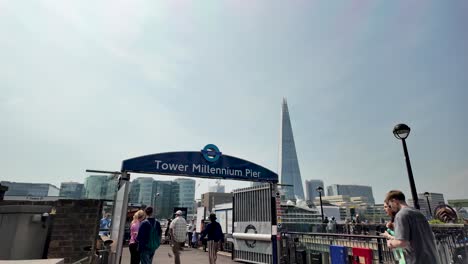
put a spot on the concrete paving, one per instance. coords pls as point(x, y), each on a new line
point(188, 255)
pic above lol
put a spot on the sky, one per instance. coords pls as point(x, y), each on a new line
point(87, 84)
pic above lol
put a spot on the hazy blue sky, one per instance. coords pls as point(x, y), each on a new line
point(87, 84)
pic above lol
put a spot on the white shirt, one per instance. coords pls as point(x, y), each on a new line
point(179, 228)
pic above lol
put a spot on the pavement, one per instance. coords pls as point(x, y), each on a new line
point(188, 255)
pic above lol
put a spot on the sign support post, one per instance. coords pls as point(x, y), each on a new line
point(119, 218)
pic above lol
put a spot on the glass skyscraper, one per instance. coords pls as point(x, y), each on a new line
point(162, 195)
point(146, 192)
point(30, 189)
point(289, 172)
point(311, 189)
point(100, 187)
point(72, 190)
point(167, 199)
point(186, 193)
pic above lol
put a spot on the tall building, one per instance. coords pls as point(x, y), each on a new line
point(146, 192)
point(72, 190)
point(167, 199)
point(100, 187)
point(30, 189)
point(186, 194)
point(289, 172)
point(311, 189)
point(134, 192)
point(435, 199)
point(351, 190)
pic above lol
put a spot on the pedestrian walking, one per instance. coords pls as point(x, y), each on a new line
point(138, 217)
point(167, 234)
point(149, 237)
point(412, 231)
point(178, 231)
point(190, 229)
point(194, 238)
point(215, 238)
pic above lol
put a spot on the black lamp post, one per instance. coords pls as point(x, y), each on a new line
point(401, 131)
point(320, 190)
point(428, 203)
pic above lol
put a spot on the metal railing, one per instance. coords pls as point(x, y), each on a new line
point(320, 242)
point(451, 243)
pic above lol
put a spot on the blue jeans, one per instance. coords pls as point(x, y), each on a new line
point(146, 257)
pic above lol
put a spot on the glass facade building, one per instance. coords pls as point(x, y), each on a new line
point(186, 194)
point(351, 191)
point(72, 190)
point(167, 199)
point(311, 189)
point(30, 189)
point(100, 187)
point(146, 192)
point(162, 195)
point(289, 172)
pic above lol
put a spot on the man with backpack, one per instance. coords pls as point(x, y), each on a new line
point(149, 237)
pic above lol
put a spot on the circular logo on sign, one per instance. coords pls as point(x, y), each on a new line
point(250, 229)
point(211, 153)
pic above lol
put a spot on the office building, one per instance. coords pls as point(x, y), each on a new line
point(376, 214)
point(335, 200)
point(422, 206)
point(289, 172)
point(186, 194)
point(71, 190)
point(167, 197)
point(311, 189)
point(100, 187)
point(146, 193)
point(134, 193)
point(435, 199)
point(351, 191)
point(30, 189)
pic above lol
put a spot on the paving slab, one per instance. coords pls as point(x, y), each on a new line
point(188, 255)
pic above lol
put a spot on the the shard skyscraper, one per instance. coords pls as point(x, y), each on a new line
point(289, 172)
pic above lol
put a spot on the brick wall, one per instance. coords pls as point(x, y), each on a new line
point(74, 226)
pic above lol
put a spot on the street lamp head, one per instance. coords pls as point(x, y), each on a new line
point(320, 189)
point(401, 131)
point(426, 194)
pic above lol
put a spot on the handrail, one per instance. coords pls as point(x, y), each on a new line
point(334, 235)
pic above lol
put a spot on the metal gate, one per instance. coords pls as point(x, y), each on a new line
point(254, 210)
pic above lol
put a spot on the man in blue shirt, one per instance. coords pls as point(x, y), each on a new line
point(215, 237)
point(104, 225)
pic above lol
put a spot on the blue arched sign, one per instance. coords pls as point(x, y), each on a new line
point(207, 163)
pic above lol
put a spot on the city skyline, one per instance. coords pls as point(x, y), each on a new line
point(86, 86)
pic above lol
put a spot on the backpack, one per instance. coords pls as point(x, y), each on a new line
point(154, 237)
